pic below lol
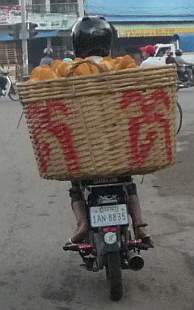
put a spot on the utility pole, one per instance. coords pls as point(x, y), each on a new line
point(80, 7)
point(24, 38)
point(48, 6)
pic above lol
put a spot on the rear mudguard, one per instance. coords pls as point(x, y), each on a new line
point(102, 249)
point(110, 248)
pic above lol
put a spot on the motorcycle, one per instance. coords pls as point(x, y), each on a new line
point(185, 76)
point(110, 245)
point(10, 88)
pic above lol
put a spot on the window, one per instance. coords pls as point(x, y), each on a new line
point(38, 6)
point(63, 6)
point(10, 2)
point(163, 51)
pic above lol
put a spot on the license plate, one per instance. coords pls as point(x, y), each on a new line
point(111, 215)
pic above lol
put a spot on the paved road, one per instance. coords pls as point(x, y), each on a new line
point(35, 220)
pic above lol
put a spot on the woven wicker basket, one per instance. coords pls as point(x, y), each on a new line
point(110, 124)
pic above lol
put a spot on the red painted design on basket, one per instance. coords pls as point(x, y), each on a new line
point(148, 114)
point(42, 122)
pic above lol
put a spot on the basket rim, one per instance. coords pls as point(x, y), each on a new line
point(102, 74)
point(133, 172)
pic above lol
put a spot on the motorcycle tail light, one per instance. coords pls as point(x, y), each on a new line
point(111, 229)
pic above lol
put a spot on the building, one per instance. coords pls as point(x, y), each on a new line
point(147, 22)
point(54, 20)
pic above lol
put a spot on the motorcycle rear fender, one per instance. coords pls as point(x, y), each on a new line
point(111, 248)
point(104, 248)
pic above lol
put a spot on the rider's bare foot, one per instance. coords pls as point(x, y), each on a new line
point(148, 241)
point(140, 233)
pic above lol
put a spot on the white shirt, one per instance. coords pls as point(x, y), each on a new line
point(95, 59)
point(151, 62)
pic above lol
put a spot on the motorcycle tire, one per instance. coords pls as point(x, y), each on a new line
point(179, 117)
point(114, 276)
point(13, 95)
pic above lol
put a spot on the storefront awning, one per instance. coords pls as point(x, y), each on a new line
point(46, 34)
point(5, 37)
point(154, 30)
point(40, 34)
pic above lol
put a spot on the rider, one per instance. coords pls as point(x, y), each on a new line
point(47, 58)
point(170, 59)
point(180, 61)
point(179, 58)
point(69, 56)
point(92, 37)
point(148, 53)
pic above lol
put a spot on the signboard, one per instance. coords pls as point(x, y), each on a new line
point(152, 30)
point(52, 21)
point(10, 15)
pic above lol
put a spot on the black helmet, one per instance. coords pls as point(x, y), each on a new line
point(92, 36)
point(179, 52)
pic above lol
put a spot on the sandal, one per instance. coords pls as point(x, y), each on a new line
point(70, 246)
point(147, 240)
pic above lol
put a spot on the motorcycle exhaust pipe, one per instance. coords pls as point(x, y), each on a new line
point(136, 261)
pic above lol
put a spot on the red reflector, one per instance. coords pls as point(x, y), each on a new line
point(85, 247)
point(135, 242)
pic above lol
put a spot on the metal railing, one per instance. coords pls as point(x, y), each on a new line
point(61, 8)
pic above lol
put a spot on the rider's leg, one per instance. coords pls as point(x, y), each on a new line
point(135, 212)
point(79, 210)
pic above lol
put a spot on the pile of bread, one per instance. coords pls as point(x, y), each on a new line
point(80, 67)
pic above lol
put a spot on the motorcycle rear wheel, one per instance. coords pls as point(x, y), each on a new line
point(114, 276)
